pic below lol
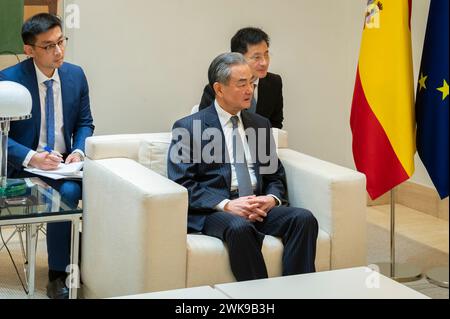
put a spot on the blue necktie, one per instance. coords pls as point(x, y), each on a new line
point(50, 114)
point(240, 163)
point(252, 108)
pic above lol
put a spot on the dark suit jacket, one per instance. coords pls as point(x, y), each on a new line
point(270, 99)
point(78, 123)
point(209, 184)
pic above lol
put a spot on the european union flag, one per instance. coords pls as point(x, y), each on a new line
point(432, 100)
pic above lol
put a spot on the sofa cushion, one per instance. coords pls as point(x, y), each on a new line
point(153, 152)
point(205, 253)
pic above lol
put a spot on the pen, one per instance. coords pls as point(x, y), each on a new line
point(48, 149)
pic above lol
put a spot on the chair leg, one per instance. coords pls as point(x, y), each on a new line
point(19, 230)
point(22, 246)
point(9, 238)
point(42, 228)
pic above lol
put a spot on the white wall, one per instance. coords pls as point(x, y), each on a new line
point(147, 61)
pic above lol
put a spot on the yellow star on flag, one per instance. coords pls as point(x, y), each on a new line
point(422, 81)
point(444, 90)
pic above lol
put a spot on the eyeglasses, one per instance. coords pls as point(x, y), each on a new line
point(52, 47)
point(259, 58)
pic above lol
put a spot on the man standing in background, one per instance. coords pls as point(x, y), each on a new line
point(267, 100)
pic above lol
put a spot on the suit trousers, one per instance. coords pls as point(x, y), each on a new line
point(59, 234)
point(297, 228)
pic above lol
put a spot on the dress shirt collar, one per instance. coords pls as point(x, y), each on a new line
point(224, 116)
point(41, 77)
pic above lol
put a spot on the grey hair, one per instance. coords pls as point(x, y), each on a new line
point(220, 68)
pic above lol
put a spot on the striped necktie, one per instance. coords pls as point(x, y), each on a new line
point(240, 163)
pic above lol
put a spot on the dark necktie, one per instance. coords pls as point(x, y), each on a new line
point(240, 163)
point(50, 114)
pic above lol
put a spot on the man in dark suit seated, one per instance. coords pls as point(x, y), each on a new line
point(267, 101)
point(61, 121)
point(237, 187)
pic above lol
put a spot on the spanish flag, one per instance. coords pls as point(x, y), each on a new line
point(382, 117)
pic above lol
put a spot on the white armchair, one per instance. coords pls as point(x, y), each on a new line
point(134, 225)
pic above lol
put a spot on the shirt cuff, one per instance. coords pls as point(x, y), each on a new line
point(27, 159)
point(221, 206)
point(277, 199)
point(79, 152)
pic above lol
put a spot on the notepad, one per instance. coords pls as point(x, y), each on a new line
point(64, 171)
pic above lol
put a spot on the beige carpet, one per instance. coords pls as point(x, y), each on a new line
point(10, 287)
point(407, 251)
point(378, 250)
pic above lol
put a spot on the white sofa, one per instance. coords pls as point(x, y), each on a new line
point(134, 222)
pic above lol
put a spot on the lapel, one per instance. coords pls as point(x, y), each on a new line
point(262, 90)
point(248, 122)
point(211, 119)
point(30, 82)
point(67, 89)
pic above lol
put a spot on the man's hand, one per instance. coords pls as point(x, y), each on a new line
point(265, 204)
point(45, 161)
point(74, 158)
point(246, 207)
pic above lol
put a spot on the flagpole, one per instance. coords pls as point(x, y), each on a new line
point(401, 272)
point(392, 273)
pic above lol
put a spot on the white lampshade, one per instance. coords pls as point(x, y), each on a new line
point(15, 101)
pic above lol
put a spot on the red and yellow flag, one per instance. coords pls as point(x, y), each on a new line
point(382, 118)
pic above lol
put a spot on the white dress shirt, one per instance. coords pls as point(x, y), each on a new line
point(227, 127)
point(60, 145)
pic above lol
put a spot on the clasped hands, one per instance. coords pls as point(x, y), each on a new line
point(253, 208)
point(50, 161)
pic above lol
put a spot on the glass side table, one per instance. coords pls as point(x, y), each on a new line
point(31, 202)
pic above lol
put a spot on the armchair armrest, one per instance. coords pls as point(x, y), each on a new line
point(337, 197)
point(134, 229)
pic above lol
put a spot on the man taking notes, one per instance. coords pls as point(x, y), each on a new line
point(57, 131)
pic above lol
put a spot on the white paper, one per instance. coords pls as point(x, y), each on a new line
point(72, 170)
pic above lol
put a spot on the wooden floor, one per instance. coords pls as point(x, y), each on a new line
point(423, 228)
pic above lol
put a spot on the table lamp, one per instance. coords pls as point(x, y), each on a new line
point(15, 105)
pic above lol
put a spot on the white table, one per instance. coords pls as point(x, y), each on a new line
point(351, 283)
point(203, 292)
